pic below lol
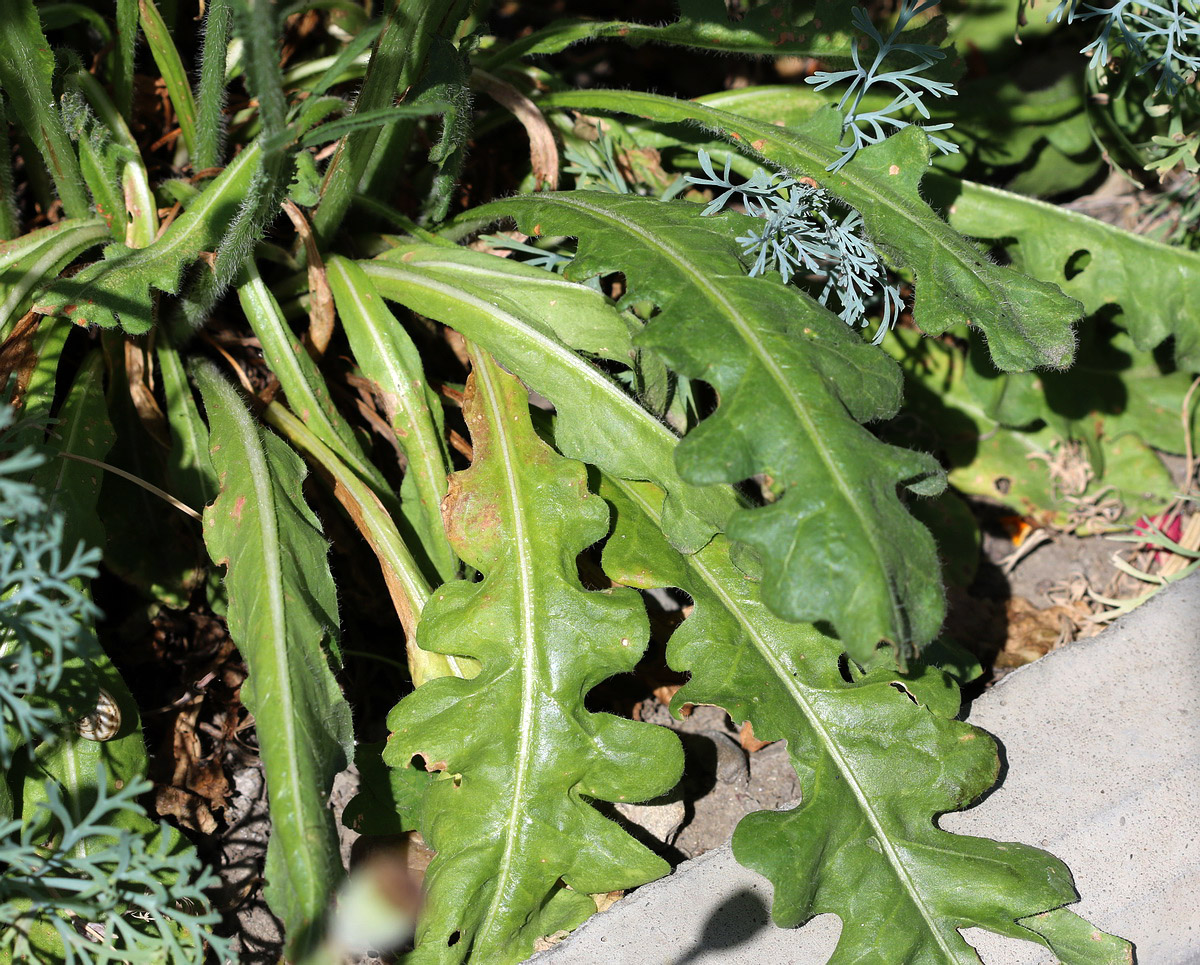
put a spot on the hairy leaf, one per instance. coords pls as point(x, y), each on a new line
point(26, 69)
point(786, 28)
point(283, 617)
point(511, 822)
point(879, 756)
point(1027, 321)
point(530, 320)
point(166, 57)
point(117, 290)
point(29, 262)
point(794, 383)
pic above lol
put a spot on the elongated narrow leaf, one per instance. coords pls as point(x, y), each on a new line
point(166, 57)
point(1027, 321)
point(300, 379)
point(786, 28)
point(838, 545)
point(1098, 263)
point(83, 430)
point(398, 60)
point(530, 320)
point(26, 69)
point(283, 617)
point(511, 824)
point(405, 582)
point(117, 290)
point(388, 357)
point(36, 258)
point(878, 757)
point(189, 466)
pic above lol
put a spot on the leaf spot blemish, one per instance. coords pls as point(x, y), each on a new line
point(759, 144)
point(624, 641)
point(238, 506)
point(407, 256)
point(894, 170)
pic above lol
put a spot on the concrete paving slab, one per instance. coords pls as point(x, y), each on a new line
point(1102, 741)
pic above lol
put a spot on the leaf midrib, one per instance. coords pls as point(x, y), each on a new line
point(564, 355)
point(507, 451)
point(260, 477)
point(748, 336)
point(931, 227)
point(788, 682)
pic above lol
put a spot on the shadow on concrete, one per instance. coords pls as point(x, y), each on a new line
point(734, 922)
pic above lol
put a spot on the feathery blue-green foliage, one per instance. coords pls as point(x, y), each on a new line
point(871, 126)
point(141, 899)
point(801, 235)
point(1162, 37)
point(45, 617)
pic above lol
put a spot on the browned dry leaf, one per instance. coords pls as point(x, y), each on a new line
point(749, 742)
point(1033, 633)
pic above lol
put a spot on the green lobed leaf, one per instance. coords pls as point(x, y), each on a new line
point(283, 618)
point(794, 383)
point(878, 756)
point(522, 757)
point(1098, 263)
point(34, 259)
point(531, 320)
point(1027, 321)
point(1013, 465)
point(117, 290)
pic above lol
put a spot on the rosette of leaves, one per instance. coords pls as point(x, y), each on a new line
point(520, 848)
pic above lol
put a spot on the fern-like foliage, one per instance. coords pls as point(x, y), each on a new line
point(45, 616)
point(872, 126)
point(800, 235)
point(1162, 37)
point(104, 893)
point(82, 881)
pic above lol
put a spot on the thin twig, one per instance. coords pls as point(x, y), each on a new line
point(149, 487)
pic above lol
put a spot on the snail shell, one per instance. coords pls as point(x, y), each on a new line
point(103, 723)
